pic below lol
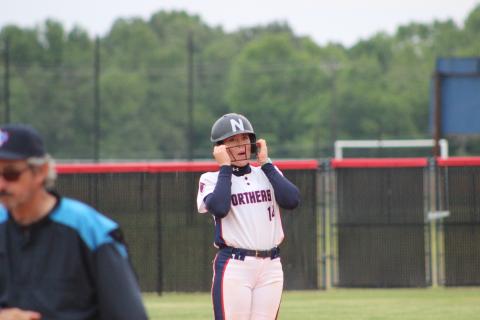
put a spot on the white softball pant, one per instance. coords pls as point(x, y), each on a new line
point(246, 288)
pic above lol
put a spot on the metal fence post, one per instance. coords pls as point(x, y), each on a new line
point(321, 212)
point(432, 224)
point(6, 87)
point(327, 194)
point(331, 228)
point(158, 212)
point(96, 101)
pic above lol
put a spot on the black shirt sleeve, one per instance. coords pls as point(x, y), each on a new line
point(119, 295)
point(287, 194)
point(218, 202)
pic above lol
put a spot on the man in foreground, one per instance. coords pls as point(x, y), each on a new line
point(59, 258)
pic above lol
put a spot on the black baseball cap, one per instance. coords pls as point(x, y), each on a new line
point(19, 142)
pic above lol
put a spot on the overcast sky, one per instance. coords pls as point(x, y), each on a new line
point(345, 21)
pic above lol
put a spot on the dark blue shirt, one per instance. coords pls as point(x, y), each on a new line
point(72, 264)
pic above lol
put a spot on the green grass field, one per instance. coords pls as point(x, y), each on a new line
point(338, 304)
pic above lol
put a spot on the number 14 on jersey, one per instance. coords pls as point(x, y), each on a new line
point(271, 212)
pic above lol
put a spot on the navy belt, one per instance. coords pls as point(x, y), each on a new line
point(242, 253)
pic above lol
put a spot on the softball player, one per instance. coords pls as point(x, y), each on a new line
point(245, 202)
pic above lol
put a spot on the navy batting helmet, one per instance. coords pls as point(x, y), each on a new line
point(231, 124)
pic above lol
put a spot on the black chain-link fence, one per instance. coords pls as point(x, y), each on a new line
point(380, 225)
point(462, 227)
point(170, 243)
point(357, 226)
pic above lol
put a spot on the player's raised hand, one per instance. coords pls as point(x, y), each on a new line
point(262, 151)
point(221, 155)
point(18, 314)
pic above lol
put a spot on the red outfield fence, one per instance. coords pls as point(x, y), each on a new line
point(361, 223)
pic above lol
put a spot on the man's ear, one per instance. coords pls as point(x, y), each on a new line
point(41, 173)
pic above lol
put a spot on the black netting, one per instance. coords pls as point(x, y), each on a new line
point(462, 227)
point(299, 249)
point(378, 236)
point(170, 243)
point(380, 227)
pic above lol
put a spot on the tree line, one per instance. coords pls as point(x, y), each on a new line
point(151, 89)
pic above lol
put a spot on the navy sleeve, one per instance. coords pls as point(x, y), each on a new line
point(218, 202)
point(119, 295)
point(4, 268)
point(287, 194)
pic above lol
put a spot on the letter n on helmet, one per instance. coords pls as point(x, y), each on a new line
point(231, 124)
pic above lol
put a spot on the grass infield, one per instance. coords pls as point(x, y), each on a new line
point(338, 304)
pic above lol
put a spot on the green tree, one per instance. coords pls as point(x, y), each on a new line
point(275, 82)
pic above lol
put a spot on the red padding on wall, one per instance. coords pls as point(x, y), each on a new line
point(379, 162)
point(459, 162)
point(194, 166)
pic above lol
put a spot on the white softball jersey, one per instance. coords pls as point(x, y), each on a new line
point(253, 221)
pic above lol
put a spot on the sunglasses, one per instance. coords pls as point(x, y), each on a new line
point(11, 174)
